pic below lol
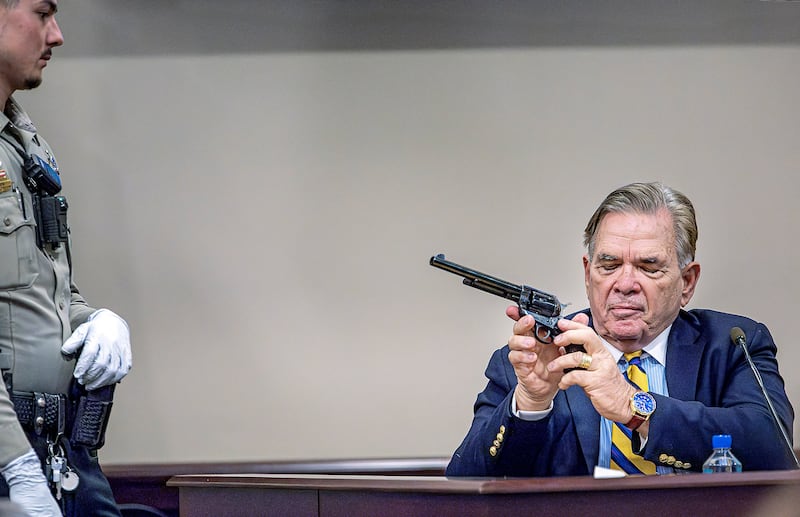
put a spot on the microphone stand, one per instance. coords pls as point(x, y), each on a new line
point(739, 339)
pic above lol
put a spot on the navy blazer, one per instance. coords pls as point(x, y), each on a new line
point(712, 390)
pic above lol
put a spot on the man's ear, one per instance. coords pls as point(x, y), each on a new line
point(690, 276)
point(586, 265)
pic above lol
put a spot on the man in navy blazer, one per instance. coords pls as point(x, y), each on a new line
point(532, 419)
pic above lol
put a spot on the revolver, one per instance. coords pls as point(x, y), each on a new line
point(544, 307)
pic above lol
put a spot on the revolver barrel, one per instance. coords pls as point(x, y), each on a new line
point(528, 298)
point(543, 307)
point(479, 280)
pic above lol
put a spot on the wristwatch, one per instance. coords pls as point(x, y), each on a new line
point(643, 404)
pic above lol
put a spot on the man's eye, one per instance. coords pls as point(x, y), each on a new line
point(608, 267)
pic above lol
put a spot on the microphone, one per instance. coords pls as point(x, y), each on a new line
point(738, 338)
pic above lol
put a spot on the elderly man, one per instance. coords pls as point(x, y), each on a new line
point(656, 381)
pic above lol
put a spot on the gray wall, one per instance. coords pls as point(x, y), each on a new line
point(258, 186)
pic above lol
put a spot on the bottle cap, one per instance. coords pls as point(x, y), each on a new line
point(721, 441)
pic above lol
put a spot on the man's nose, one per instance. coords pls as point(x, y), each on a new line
point(627, 280)
point(54, 36)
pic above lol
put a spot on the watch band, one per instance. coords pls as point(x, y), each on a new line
point(634, 423)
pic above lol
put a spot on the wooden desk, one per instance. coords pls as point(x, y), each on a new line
point(146, 483)
point(743, 494)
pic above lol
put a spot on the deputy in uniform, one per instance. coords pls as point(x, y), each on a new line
point(60, 357)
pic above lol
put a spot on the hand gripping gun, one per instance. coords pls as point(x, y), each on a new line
point(544, 307)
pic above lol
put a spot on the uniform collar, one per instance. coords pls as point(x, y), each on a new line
point(17, 124)
point(17, 116)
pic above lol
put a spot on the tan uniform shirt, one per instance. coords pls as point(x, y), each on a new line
point(40, 306)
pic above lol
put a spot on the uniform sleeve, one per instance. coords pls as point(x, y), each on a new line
point(13, 274)
point(14, 443)
point(79, 310)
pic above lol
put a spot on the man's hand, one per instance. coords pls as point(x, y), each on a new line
point(28, 487)
point(536, 385)
point(104, 347)
point(603, 383)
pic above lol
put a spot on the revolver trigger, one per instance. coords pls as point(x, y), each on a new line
point(542, 334)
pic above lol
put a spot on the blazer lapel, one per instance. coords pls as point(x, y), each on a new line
point(684, 349)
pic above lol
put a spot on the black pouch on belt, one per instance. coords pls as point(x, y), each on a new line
point(91, 416)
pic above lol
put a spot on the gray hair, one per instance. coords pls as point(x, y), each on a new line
point(649, 198)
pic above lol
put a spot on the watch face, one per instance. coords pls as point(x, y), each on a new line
point(643, 403)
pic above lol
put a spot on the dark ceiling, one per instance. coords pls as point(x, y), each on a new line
point(154, 27)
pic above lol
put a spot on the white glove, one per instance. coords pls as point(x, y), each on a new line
point(28, 487)
point(106, 355)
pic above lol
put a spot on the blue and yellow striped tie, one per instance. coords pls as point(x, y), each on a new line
point(622, 456)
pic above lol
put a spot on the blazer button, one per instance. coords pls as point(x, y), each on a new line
point(493, 451)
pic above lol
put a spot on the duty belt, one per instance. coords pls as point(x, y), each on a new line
point(82, 418)
point(41, 412)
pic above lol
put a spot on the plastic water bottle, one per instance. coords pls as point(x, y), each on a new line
point(722, 459)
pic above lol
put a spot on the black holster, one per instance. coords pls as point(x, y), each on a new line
point(82, 417)
point(92, 413)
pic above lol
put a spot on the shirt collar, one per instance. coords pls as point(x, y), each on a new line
point(16, 115)
point(657, 349)
point(16, 123)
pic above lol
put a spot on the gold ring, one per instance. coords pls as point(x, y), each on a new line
point(586, 361)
